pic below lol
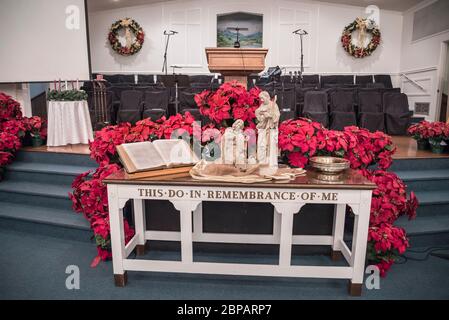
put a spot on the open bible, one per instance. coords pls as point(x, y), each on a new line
point(141, 157)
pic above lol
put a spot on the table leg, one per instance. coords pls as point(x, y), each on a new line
point(287, 212)
point(185, 209)
point(117, 236)
point(186, 236)
point(140, 225)
point(359, 243)
point(338, 231)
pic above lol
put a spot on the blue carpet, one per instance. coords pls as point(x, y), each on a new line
point(33, 267)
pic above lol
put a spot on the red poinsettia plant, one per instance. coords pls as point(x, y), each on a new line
point(36, 126)
point(300, 139)
point(13, 127)
point(89, 195)
point(230, 102)
point(436, 131)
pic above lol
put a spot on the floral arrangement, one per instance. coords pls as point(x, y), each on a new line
point(14, 127)
point(89, 195)
point(230, 102)
point(66, 95)
point(302, 138)
point(130, 26)
point(432, 133)
point(363, 25)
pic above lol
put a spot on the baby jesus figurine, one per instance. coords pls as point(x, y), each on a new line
point(267, 128)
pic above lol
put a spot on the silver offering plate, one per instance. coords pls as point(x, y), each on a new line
point(329, 165)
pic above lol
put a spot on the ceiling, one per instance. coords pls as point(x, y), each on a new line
point(397, 5)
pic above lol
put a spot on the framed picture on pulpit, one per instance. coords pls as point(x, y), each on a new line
point(240, 30)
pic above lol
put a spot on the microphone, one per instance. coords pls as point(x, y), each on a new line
point(300, 31)
point(170, 32)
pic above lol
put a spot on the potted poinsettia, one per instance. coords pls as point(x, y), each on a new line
point(37, 129)
point(420, 132)
point(438, 133)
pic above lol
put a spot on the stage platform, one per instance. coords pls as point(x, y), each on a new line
point(406, 149)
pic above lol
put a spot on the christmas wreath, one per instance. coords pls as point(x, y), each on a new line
point(131, 28)
point(364, 26)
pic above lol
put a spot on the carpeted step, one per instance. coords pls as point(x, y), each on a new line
point(433, 203)
point(36, 194)
point(44, 172)
point(424, 225)
point(43, 215)
point(56, 158)
point(425, 180)
point(35, 188)
point(36, 200)
point(420, 164)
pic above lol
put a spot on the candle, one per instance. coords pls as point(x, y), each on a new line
point(77, 84)
point(154, 78)
point(66, 86)
point(59, 85)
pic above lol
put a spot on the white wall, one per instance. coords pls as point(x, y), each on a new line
point(420, 61)
point(196, 22)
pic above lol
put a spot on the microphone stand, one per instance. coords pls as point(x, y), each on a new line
point(167, 40)
point(301, 34)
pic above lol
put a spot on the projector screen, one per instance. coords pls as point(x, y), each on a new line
point(43, 40)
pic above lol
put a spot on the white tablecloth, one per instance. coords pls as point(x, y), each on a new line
point(68, 123)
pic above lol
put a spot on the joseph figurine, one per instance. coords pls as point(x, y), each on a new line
point(267, 130)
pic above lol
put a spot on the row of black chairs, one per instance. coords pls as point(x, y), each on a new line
point(371, 109)
point(314, 80)
point(335, 107)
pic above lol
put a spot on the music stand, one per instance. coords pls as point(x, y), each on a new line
point(237, 43)
point(175, 81)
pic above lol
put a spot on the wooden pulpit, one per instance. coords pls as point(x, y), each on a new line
point(236, 63)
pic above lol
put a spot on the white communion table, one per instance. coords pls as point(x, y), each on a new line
point(287, 199)
point(68, 123)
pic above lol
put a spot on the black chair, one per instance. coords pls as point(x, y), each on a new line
point(363, 80)
point(385, 79)
point(375, 85)
point(345, 79)
point(112, 78)
point(311, 81)
point(286, 115)
point(300, 94)
point(341, 106)
point(187, 103)
point(205, 79)
point(397, 113)
point(286, 99)
point(336, 81)
point(155, 104)
point(315, 107)
point(146, 78)
point(117, 90)
point(130, 109)
point(371, 115)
